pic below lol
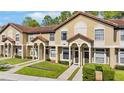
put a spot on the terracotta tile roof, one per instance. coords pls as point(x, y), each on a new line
point(25, 29)
point(40, 38)
point(120, 22)
point(8, 38)
point(87, 15)
point(80, 36)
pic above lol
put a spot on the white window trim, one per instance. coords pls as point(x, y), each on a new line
point(50, 37)
point(119, 51)
point(66, 35)
point(29, 36)
point(50, 53)
point(103, 32)
point(120, 35)
point(62, 54)
point(18, 36)
point(104, 57)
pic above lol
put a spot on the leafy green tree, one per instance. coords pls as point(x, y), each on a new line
point(48, 20)
point(108, 14)
point(65, 15)
point(28, 21)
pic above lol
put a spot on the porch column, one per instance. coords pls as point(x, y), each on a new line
point(11, 51)
point(4, 50)
point(73, 55)
point(90, 55)
point(38, 51)
point(26, 51)
point(7, 50)
point(69, 55)
point(33, 52)
point(56, 54)
point(22, 51)
point(44, 52)
point(79, 55)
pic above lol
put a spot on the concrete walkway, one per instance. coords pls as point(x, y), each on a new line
point(18, 77)
point(3, 58)
point(67, 73)
point(78, 76)
point(18, 67)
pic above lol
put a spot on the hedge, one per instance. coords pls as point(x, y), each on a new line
point(64, 62)
point(120, 67)
point(89, 72)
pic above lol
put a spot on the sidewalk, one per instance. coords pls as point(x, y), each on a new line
point(67, 73)
point(18, 67)
point(78, 76)
point(18, 77)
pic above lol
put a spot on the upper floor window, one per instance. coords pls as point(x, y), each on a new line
point(99, 34)
point(3, 37)
point(63, 35)
point(80, 27)
point(122, 35)
point(17, 36)
point(30, 38)
point(52, 38)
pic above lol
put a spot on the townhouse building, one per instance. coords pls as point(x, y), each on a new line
point(81, 39)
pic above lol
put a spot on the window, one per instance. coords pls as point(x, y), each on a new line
point(64, 35)
point(30, 38)
point(99, 34)
point(121, 58)
point(51, 36)
point(52, 52)
point(17, 36)
point(81, 28)
point(122, 35)
point(100, 56)
point(18, 51)
point(65, 53)
point(3, 37)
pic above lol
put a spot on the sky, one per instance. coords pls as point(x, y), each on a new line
point(18, 16)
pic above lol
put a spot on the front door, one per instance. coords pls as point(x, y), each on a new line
point(76, 57)
point(86, 57)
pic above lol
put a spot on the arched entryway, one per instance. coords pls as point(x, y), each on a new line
point(74, 54)
point(85, 53)
point(80, 54)
point(8, 50)
point(39, 51)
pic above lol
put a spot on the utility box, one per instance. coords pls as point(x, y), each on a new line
point(98, 75)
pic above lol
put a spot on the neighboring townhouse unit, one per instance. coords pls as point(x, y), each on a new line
point(81, 39)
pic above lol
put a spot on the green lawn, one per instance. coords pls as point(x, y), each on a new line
point(54, 70)
point(119, 75)
point(13, 61)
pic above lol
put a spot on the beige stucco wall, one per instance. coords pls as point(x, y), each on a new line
point(91, 25)
point(11, 32)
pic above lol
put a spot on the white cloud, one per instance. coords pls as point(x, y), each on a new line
point(41, 15)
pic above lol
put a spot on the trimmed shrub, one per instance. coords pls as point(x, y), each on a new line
point(89, 72)
point(98, 67)
point(64, 62)
point(16, 56)
point(120, 67)
point(29, 57)
point(48, 59)
point(108, 73)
